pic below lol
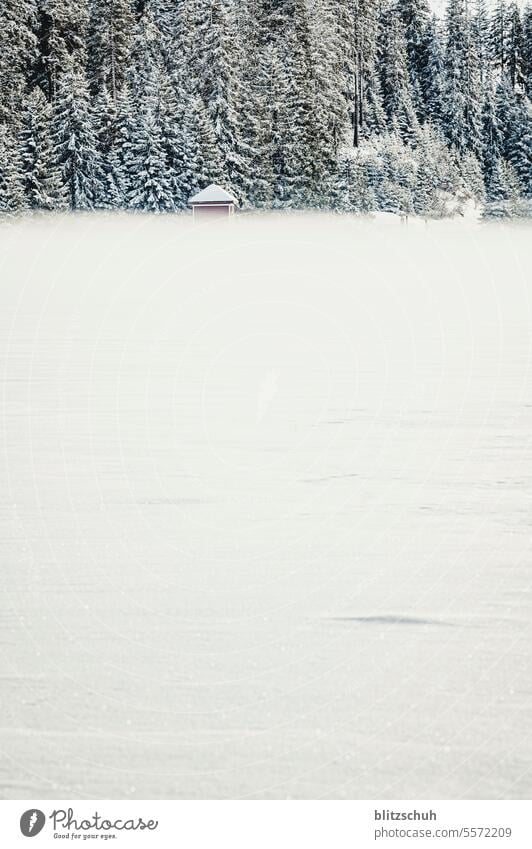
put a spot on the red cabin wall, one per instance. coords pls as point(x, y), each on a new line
point(218, 211)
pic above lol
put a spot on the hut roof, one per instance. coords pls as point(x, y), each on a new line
point(213, 194)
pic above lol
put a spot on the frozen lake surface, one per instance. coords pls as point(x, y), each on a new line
point(266, 509)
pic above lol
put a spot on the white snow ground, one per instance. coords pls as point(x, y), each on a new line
point(266, 509)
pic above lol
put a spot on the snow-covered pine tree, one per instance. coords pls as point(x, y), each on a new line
point(434, 85)
point(39, 169)
point(502, 191)
point(224, 97)
point(310, 147)
point(150, 188)
point(515, 121)
point(273, 83)
point(122, 117)
point(18, 54)
point(415, 15)
point(147, 154)
point(210, 164)
point(373, 170)
point(196, 159)
point(443, 162)
point(424, 194)
point(396, 88)
point(62, 33)
point(473, 91)
point(110, 34)
point(74, 138)
point(327, 68)
point(527, 50)
point(199, 158)
point(499, 35)
point(184, 149)
point(492, 136)
point(107, 128)
point(368, 112)
point(344, 48)
point(293, 145)
point(434, 173)
point(350, 190)
point(472, 176)
point(461, 101)
point(372, 114)
point(455, 91)
point(254, 71)
point(11, 190)
point(251, 104)
point(273, 19)
point(181, 148)
point(168, 16)
point(395, 192)
point(480, 37)
point(146, 58)
point(352, 28)
point(515, 48)
point(343, 189)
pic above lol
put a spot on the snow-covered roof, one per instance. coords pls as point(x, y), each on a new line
point(213, 194)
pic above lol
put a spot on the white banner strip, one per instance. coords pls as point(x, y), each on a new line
point(267, 825)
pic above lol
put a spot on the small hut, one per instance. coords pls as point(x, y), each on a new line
point(213, 202)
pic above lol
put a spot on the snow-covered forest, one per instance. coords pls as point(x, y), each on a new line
point(349, 105)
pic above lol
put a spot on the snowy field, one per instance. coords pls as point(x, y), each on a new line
point(266, 508)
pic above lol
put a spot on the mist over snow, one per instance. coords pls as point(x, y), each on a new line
point(265, 520)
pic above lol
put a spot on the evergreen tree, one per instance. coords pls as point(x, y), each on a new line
point(155, 141)
point(40, 173)
point(396, 89)
point(492, 137)
point(11, 191)
point(62, 34)
point(107, 126)
point(499, 35)
point(435, 81)
point(274, 81)
point(516, 62)
point(274, 17)
point(415, 15)
point(169, 18)
point(374, 114)
point(111, 28)
point(502, 194)
point(368, 110)
point(295, 146)
point(515, 122)
point(257, 76)
point(222, 93)
point(115, 137)
point(472, 176)
point(527, 51)
point(18, 54)
point(350, 189)
point(462, 105)
point(327, 68)
point(74, 138)
point(480, 37)
point(150, 189)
